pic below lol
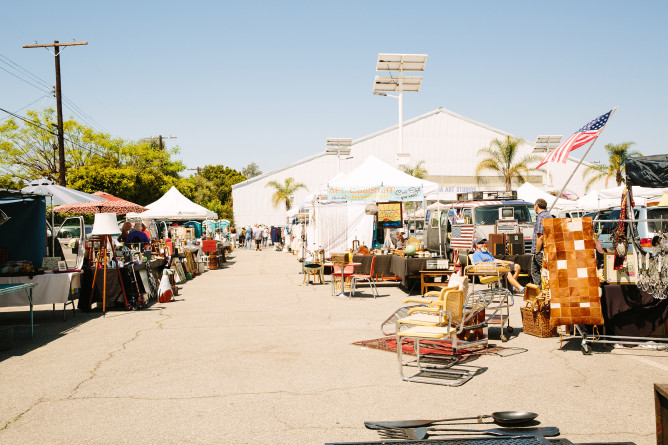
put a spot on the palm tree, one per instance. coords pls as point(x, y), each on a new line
point(418, 171)
point(500, 158)
point(617, 156)
point(284, 191)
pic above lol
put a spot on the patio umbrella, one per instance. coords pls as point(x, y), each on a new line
point(61, 195)
point(106, 203)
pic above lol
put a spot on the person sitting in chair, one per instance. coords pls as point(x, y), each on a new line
point(481, 255)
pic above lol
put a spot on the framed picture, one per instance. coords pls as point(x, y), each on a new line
point(50, 262)
point(389, 214)
point(625, 275)
point(146, 284)
point(179, 273)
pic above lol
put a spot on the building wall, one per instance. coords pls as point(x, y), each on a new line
point(446, 141)
point(252, 198)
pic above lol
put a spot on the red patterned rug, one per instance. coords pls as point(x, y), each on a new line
point(426, 346)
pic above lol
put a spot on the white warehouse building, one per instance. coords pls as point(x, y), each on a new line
point(447, 142)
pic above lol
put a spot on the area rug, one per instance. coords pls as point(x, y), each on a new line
point(426, 347)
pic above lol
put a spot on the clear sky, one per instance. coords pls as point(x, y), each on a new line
point(267, 82)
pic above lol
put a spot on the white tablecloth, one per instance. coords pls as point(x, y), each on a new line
point(51, 288)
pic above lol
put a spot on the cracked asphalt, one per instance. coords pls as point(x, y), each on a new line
point(248, 355)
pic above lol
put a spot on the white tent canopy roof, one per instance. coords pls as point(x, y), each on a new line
point(530, 193)
point(174, 206)
point(374, 172)
point(612, 197)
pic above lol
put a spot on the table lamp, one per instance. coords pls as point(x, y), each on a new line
point(105, 225)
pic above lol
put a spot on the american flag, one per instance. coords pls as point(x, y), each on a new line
point(462, 236)
point(581, 137)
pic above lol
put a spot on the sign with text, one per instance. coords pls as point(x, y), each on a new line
point(380, 193)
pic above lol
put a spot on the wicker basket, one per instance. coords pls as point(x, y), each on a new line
point(537, 323)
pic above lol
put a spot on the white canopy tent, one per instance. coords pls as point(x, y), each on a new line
point(606, 198)
point(373, 173)
point(174, 206)
point(333, 226)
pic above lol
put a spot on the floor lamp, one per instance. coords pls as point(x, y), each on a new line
point(105, 225)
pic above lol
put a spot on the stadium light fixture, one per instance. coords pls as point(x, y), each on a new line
point(399, 84)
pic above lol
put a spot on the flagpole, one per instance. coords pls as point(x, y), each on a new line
point(581, 159)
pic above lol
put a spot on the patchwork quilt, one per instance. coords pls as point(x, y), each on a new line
point(570, 260)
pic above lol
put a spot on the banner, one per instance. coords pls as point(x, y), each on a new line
point(379, 193)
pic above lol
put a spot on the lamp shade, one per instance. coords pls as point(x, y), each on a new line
point(105, 224)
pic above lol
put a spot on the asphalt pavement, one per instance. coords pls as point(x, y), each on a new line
point(249, 355)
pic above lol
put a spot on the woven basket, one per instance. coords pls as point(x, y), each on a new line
point(537, 323)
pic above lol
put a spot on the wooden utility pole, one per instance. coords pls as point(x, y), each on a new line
point(162, 145)
point(59, 103)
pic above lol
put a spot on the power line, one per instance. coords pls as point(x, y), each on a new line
point(82, 112)
point(23, 80)
point(34, 76)
point(78, 111)
point(26, 106)
point(41, 127)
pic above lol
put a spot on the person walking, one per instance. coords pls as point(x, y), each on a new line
point(265, 236)
point(537, 240)
point(249, 237)
point(242, 238)
point(258, 234)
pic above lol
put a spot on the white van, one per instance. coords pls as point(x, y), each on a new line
point(461, 222)
point(647, 230)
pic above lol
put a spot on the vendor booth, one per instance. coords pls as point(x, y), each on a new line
point(344, 210)
point(625, 300)
point(363, 213)
point(23, 238)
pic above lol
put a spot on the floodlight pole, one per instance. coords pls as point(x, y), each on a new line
point(401, 110)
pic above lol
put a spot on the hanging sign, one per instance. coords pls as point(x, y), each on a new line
point(379, 193)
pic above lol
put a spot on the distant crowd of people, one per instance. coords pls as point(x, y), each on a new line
point(256, 236)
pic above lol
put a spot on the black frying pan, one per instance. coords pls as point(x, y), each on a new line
point(500, 417)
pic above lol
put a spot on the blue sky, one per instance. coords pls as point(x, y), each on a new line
point(268, 82)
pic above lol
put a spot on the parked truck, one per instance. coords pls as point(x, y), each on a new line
point(453, 226)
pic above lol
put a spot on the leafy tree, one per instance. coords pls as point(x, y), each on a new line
point(212, 188)
point(223, 178)
point(500, 158)
point(284, 191)
point(251, 170)
point(8, 182)
point(138, 172)
point(618, 154)
point(419, 171)
point(30, 151)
